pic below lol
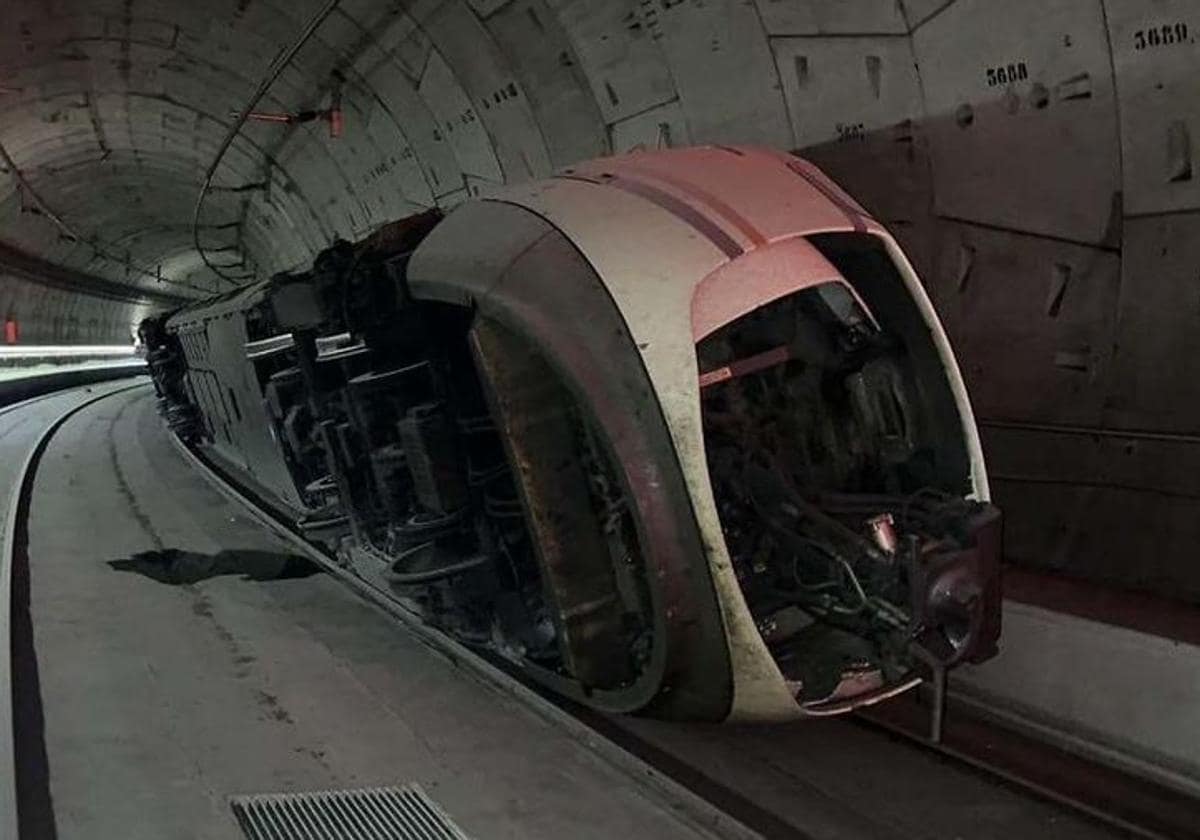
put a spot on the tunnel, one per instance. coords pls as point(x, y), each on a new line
point(1031, 160)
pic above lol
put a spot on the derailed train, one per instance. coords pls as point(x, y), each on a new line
point(677, 432)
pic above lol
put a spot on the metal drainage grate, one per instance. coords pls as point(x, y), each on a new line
point(392, 813)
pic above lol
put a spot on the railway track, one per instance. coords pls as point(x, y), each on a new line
point(681, 764)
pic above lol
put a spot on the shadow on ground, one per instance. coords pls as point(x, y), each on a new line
point(176, 567)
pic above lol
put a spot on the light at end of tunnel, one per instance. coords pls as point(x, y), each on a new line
point(27, 351)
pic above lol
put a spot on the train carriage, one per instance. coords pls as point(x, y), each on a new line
point(677, 432)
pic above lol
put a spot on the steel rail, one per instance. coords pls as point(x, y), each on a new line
point(7, 409)
point(18, 508)
point(917, 738)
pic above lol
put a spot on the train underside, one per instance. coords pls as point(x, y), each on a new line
point(447, 460)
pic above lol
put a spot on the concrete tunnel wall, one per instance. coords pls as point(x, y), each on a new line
point(45, 315)
point(1033, 156)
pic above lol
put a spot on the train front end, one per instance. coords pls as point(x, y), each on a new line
point(817, 418)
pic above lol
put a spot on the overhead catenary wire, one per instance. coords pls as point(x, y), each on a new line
point(277, 67)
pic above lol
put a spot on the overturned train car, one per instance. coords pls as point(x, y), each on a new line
point(676, 432)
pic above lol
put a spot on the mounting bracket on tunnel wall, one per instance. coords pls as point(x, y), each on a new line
point(332, 115)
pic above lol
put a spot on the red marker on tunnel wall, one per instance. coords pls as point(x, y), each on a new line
point(12, 331)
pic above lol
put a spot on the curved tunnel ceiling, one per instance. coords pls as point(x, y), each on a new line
point(111, 110)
